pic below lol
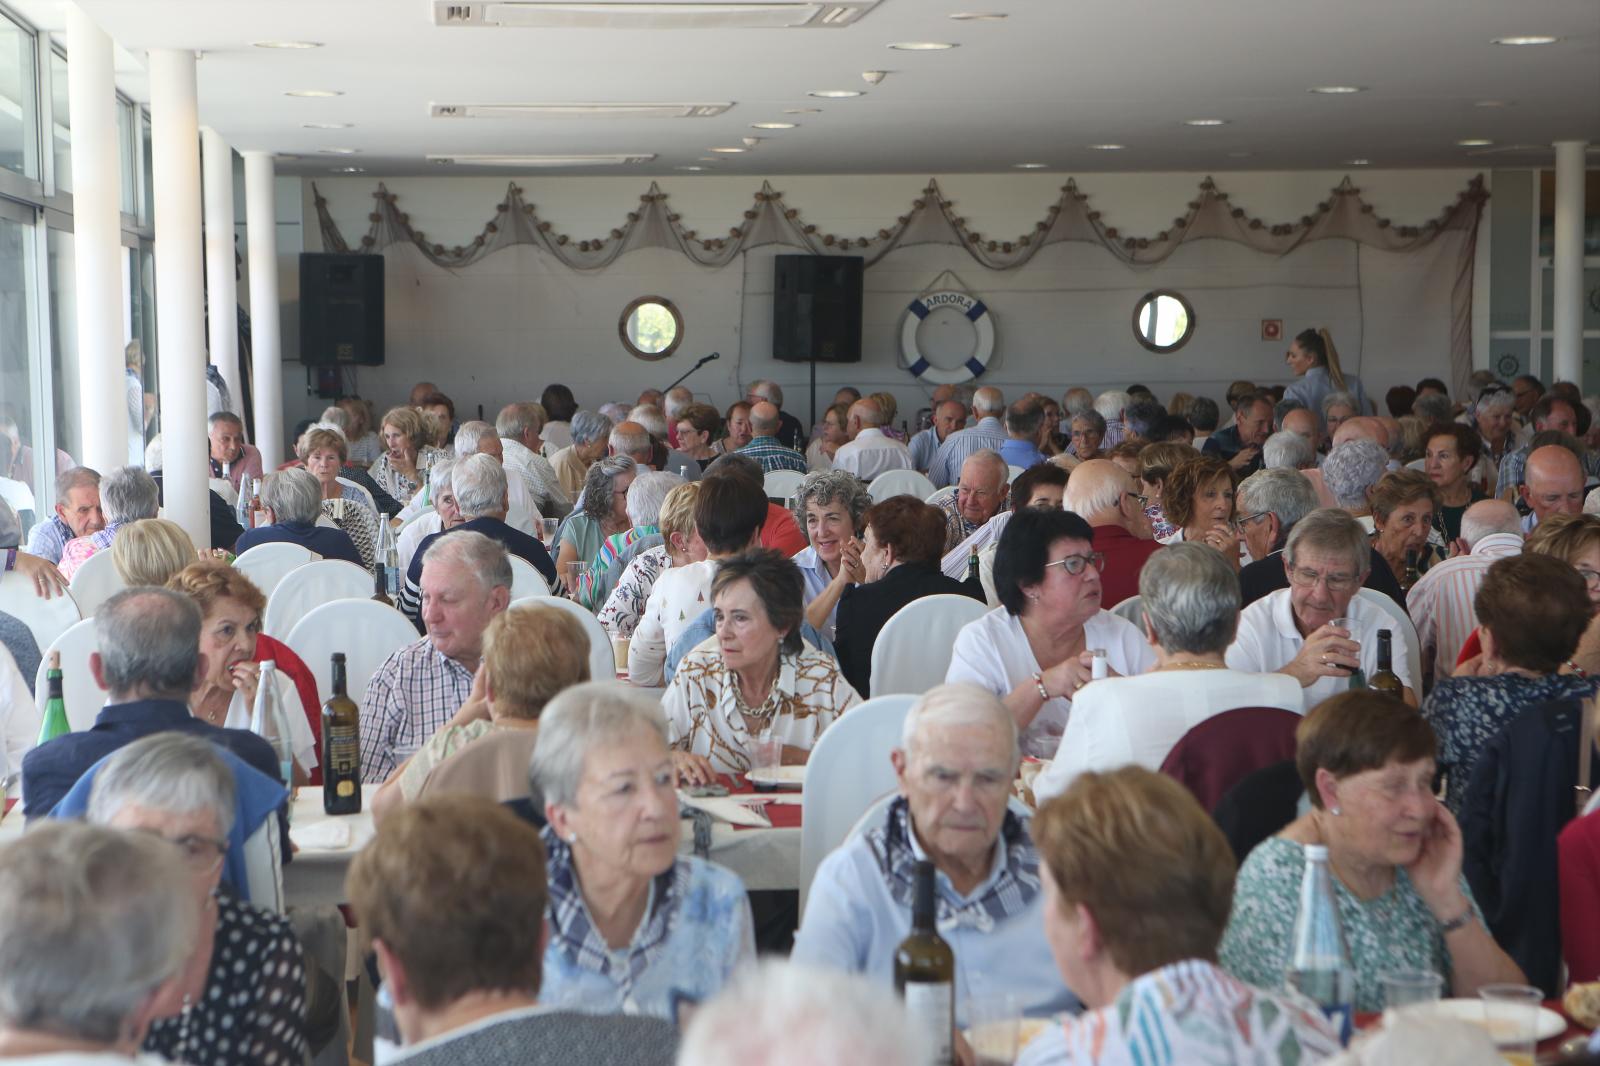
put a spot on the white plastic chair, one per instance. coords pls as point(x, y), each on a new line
point(83, 696)
point(849, 769)
point(310, 586)
point(46, 619)
point(782, 484)
point(939, 495)
point(224, 488)
point(411, 535)
point(602, 660)
point(366, 631)
point(361, 489)
point(913, 649)
point(95, 582)
point(526, 581)
point(899, 483)
point(267, 564)
point(263, 867)
point(1130, 608)
point(1406, 629)
point(1012, 472)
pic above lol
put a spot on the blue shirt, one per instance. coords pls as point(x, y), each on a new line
point(705, 626)
point(958, 446)
point(47, 539)
point(816, 578)
point(1020, 453)
point(924, 446)
point(328, 543)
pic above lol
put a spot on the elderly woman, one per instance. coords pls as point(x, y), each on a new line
point(739, 431)
point(365, 447)
point(829, 506)
point(1532, 611)
point(408, 452)
point(127, 494)
point(1198, 500)
point(1367, 764)
point(530, 654)
point(1088, 430)
point(957, 759)
point(1315, 362)
point(680, 546)
point(604, 514)
point(446, 513)
point(96, 930)
point(150, 552)
point(645, 497)
point(1319, 631)
point(231, 608)
point(831, 433)
point(1403, 505)
point(1037, 649)
point(758, 679)
point(635, 927)
point(293, 502)
point(1138, 883)
point(1190, 603)
point(1156, 463)
point(902, 542)
point(243, 1002)
point(1492, 416)
point(1350, 471)
point(346, 506)
point(1337, 409)
point(1452, 456)
point(697, 425)
point(1575, 540)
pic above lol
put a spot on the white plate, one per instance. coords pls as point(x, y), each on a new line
point(778, 776)
point(1471, 1010)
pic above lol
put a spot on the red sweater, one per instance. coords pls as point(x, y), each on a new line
point(1125, 555)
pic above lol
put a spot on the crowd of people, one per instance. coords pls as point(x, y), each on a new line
point(1391, 610)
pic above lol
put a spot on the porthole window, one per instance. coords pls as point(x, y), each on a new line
point(1163, 320)
point(651, 328)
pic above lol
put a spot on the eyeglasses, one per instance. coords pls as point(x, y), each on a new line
point(200, 854)
point(1242, 519)
point(1308, 579)
point(1144, 501)
point(1074, 564)
point(1592, 577)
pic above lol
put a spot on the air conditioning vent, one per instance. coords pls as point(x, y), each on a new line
point(652, 14)
point(577, 110)
point(540, 161)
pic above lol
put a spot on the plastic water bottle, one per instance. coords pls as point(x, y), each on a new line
point(1320, 967)
point(387, 556)
point(241, 508)
point(267, 720)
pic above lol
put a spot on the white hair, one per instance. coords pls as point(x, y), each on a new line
point(470, 435)
point(1287, 450)
point(483, 557)
point(957, 703)
point(1485, 517)
point(173, 772)
point(646, 494)
point(1110, 404)
point(292, 495)
point(989, 401)
point(650, 417)
point(480, 484)
point(678, 397)
point(584, 717)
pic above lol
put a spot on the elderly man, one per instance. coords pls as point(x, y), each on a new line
point(663, 456)
point(1287, 450)
point(1105, 496)
point(949, 416)
point(1526, 392)
point(1552, 484)
point(1551, 412)
point(480, 438)
point(127, 494)
point(765, 447)
point(1292, 631)
point(590, 433)
point(1350, 471)
point(1492, 417)
point(1024, 425)
point(1240, 444)
point(1305, 423)
point(869, 451)
point(77, 514)
point(522, 450)
point(1441, 602)
point(1141, 421)
point(790, 433)
point(986, 434)
point(466, 581)
point(980, 495)
point(149, 661)
point(1111, 406)
point(480, 491)
point(293, 499)
point(957, 759)
point(231, 457)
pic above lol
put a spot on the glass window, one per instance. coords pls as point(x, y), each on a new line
point(148, 218)
point(61, 119)
point(18, 152)
point(16, 377)
point(129, 157)
point(64, 341)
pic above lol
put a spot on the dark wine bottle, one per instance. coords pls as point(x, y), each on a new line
point(1410, 575)
point(341, 747)
point(925, 971)
point(1385, 679)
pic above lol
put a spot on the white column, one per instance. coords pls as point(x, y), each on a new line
point(97, 245)
point(1567, 276)
point(222, 286)
point(260, 219)
point(180, 313)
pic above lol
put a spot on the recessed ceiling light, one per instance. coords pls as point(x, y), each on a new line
point(1205, 122)
point(1106, 147)
point(729, 150)
point(1526, 39)
point(1474, 142)
point(326, 125)
point(688, 168)
point(772, 125)
point(1357, 162)
point(835, 94)
point(314, 93)
point(922, 46)
point(978, 16)
point(1492, 103)
point(349, 170)
point(711, 159)
point(1029, 166)
point(802, 111)
point(287, 44)
point(1336, 90)
point(339, 151)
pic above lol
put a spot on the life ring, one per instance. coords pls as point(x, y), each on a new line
point(977, 313)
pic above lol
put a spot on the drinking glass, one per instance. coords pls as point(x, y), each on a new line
point(993, 1023)
point(574, 576)
point(766, 752)
point(1511, 1014)
point(1346, 624)
point(547, 531)
point(619, 652)
point(1404, 988)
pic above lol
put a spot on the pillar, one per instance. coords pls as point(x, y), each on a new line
point(222, 287)
point(1567, 276)
point(265, 347)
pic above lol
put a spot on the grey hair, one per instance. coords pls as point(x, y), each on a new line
point(1075, 402)
point(768, 390)
point(1503, 399)
point(149, 640)
point(172, 772)
point(597, 484)
point(959, 703)
point(10, 526)
point(825, 486)
point(1478, 522)
point(1433, 407)
point(1191, 597)
point(646, 494)
point(484, 557)
point(993, 459)
point(292, 495)
point(1286, 493)
point(580, 719)
point(334, 417)
point(77, 478)
point(1352, 468)
point(588, 427)
point(1286, 450)
point(515, 419)
point(628, 442)
point(616, 411)
point(480, 485)
point(1096, 420)
point(128, 494)
point(92, 922)
point(1111, 403)
point(1339, 399)
point(470, 435)
point(225, 416)
point(678, 397)
point(650, 417)
point(1334, 531)
point(989, 400)
point(1203, 414)
point(441, 475)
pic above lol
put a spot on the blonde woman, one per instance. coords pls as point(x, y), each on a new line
point(408, 453)
point(150, 552)
point(1315, 363)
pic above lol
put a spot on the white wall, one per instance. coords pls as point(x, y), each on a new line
point(503, 328)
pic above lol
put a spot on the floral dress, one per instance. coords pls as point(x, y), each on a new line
point(352, 514)
point(625, 605)
point(397, 484)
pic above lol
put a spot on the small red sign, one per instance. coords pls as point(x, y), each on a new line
point(1272, 329)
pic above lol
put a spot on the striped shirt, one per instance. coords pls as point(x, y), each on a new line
point(415, 691)
point(924, 446)
point(772, 455)
point(1440, 604)
point(960, 445)
point(539, 476)
point(48, 539)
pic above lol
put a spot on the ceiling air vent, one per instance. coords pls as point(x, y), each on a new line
point(577, 110)
point(648, 15)
point(531, 161)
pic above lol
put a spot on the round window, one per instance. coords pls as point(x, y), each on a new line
point(651, 328)
point(1163, 320)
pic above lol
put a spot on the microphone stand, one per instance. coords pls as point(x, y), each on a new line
point(692, 369)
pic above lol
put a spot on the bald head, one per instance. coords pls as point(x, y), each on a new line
point(1486, 517)
point(764, 419)
point(1553, 482)
point(941, 394)
point(1096, 491)
point(982, 489)
point(633, 440)
point(1362, 427)
point(1303, 423)
point(864, 414)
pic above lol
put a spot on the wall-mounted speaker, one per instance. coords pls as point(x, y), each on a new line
point(816, 308)
point(341, 309)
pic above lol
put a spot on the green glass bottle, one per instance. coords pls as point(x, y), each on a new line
point(55, 722)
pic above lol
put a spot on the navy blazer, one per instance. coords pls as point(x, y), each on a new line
point(864, 609)
point(328, 543)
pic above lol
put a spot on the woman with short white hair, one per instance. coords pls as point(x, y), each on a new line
point(643, 504)
point(446, 513)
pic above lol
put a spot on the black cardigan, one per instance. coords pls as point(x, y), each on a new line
point(864, 609)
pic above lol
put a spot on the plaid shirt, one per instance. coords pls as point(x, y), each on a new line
point(956, 528)
point(1008, 894)
point(48, 539)
point(772, 455)
point(415, 691)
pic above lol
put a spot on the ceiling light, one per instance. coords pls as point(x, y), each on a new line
point(977, 16)
point(1106, 147)
point(1474, 142)
point(835, 94)
point(650, 14)
point(688, 168)
point(922, 46)
point(578, 110)
point(339, 151)
point(772, 125)
point(287, 44)
point(1205, 122)
point(326, 125)
point(1357, 162)
point(1336, 90)
point(314, 94)
point(730, 150)
point(349, 170)
point(1528, 39)
point(487, 160)
point(711, 159)
point(802, 111)
point(1029, 166)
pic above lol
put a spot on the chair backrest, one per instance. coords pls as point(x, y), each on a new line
point(309, 586)
point(263, 867)
point(224, 488)
point(1012, 472)
point(1130, 609)
point(782, 484)
point(912, 650)
point(83, 696)
point(899, 483)
point(361, 489)
point(45, 619)
point(409, 537)
point(938, 496)
point(1404, 628)
point(602, 660)
point(1222, 750)
point(1258, 807)
point(848, 769)
point(366, 631)
point(266, 564)
point(95, 582)
point(525, 580)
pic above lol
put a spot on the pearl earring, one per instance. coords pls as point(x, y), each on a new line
point(1331, 810)
point(573, 839)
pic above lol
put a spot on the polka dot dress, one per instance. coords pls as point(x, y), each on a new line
point(252, 1012)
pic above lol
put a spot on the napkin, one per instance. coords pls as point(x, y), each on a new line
point(320, 836)
point(726, 809)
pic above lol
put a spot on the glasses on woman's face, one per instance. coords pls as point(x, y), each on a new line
point(200, 853)
point(1074, 564)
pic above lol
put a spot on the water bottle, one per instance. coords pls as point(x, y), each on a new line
point(267, 720)
point(1320, 967)
point(241, 507)
point(386, 554)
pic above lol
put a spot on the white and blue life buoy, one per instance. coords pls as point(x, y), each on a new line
point(975, 311)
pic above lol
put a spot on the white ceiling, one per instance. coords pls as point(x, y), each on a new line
point(1038, 86)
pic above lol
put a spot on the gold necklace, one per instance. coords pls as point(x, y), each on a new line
point(1192, 664)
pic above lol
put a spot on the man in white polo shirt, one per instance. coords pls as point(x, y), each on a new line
point(869, 452)
point(1290, 631)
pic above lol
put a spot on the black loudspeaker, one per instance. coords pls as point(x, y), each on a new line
point(341, 309)
point(816, 308)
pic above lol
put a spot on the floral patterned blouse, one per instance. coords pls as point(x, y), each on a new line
point(355, 517)
point(625, 605)
point(397, 484)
